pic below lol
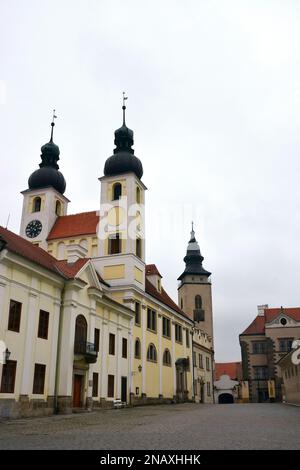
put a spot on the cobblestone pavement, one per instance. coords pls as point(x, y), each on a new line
point(185, 426)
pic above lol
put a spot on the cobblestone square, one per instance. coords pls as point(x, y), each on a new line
point(185, 426)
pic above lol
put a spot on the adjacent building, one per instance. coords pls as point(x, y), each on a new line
point(290, 371)
point(263, 343)
point(227, 385)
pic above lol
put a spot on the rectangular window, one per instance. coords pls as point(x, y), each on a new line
point(285, 344)
point(110, 386)
point(114, 244)
point(207, 363)
point(208, 388)
point(14, 318)
point(124, 348)
point(195, 359)
point(97, 339)
point(43, 324)
point(166, 327)
point(95, 384)
point(261, 373)
point(200, 361)
point(39, 379)
point(137, 313)
point(178, 333)
point(187, 338)
point(8, 377)
point(138, 247)
point(111, 344)
point(151, 319)
point(259, 347)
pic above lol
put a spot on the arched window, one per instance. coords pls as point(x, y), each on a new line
point(37, 202)
point(151, 353)
point(137, 349)
point(58, 208)
point(181, 304)
point(80, 334)
point(117, 191)
point(138, 195)
point(138, 247)
point(198, 302)
point(167, 358)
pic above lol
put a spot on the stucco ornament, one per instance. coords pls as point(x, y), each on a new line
point(296, 354)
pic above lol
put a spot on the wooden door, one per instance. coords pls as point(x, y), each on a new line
point(124, 389)
point(77, 390)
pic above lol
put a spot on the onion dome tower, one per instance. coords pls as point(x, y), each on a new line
point(48, 174)
point(123, 160)
point(193, 259)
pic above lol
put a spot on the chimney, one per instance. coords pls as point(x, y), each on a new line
point(261, 309)
point(75, 252)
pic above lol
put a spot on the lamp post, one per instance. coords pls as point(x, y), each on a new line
point(7, 354)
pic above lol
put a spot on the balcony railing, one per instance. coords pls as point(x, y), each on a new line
point(87, 350)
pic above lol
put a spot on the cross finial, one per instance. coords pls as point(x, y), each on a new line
point(124, 107)
point(52, 124)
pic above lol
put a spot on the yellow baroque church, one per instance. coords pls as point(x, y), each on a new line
point(84, 321)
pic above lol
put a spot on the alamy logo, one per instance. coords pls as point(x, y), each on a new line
point(2, 352)
point(296, 354)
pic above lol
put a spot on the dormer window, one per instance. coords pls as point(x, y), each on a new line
point(159, 285)
point(37, 202)
point(117, 191)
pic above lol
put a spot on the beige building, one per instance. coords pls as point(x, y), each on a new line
point(113, 332)
point(290, 371)
point(264, 342)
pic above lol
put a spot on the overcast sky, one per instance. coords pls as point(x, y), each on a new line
point(214, 99)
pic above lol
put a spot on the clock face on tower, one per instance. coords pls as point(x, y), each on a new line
point(33, 229)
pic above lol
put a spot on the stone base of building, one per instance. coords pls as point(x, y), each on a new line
point(25, 408)
point(64, 405)
point(144, 400)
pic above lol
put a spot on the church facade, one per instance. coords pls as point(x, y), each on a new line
point(85, 321)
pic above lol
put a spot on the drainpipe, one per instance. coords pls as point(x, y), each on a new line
point(59, 339)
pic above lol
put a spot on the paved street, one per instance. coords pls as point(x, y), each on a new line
point(186, 426)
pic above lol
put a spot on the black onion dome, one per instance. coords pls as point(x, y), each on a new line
point(193, 259)
point(48, 174)
point(123, 160)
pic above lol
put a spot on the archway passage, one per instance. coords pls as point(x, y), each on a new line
point(226, 398)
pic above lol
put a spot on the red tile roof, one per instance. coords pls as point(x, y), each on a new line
point(152, 269)
point(74, 225)
point(271, 313)
point(70, 269)
point(257, 327)
point(233, 369)
point(163, 297)
point(26, 249)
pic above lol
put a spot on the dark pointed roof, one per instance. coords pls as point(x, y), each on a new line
point(123, 160)
point(193, 259)
point(48, 174)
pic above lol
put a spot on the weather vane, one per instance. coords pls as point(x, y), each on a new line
point(52, 124)
point(54, 116)
point(124, 98)
point(124, 107)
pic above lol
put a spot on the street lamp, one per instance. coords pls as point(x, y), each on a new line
point(140, 368)
point(7, 354)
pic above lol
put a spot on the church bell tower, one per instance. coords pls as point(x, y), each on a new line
point(44, 199)
point(194, 291)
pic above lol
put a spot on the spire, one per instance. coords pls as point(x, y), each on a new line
point(123, 160)
point(48, 174)
point(124, 107)
point(193, 259)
